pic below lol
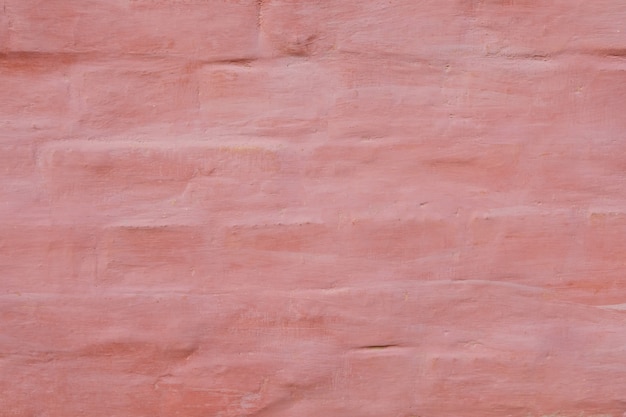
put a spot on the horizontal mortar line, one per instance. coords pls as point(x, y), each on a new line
point(187, 59)
point(182, 60)
point(130, 144)
point(393, 287)
point(467, 53)
point(99, 55)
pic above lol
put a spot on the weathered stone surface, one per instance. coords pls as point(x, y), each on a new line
point(394, 348)
point(36, 95)
point(443, 28)
point(273, 98)
point(199, 29)
point(292, 208)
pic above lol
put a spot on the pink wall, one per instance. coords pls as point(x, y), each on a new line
point(298, 208)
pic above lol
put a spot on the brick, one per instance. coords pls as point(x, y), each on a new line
point(598, 106)
point(157, 257)
point(100, 178)
point(395, 390)
point(62, 257)
point(601, 27)
point(437, 29)
point(381, 98)
point(17, 160)
point(404, 27)
point(595, 175)
point(404, 240)
point(21, 197)
point(111, 324)
point(4, 31)
point(238, 195)
point(153, 161)
point(604, 237)
point(87, 178)
point(523, 28)
point(198, 402)
point(294, 28)
point(81, 382)
point(387, 162)
point(340, 346)
point(586, 127)
point(42, 26)
point(238, 386)
point(401, 241)
point(36, 91)
point(206, 30)
point(143, 93)
point(526, 28)
point(550, 247)
point(525, 245)
point(384, 111)
point(266, 98)
point(447, 99)
point(252, 268)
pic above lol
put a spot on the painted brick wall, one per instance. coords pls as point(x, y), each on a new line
point(312, 208)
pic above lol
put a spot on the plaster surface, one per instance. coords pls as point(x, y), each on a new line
point(312, 208)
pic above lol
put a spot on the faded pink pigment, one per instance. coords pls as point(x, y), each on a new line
point(297, 208)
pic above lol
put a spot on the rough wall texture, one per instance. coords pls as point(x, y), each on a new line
point(308, 208)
